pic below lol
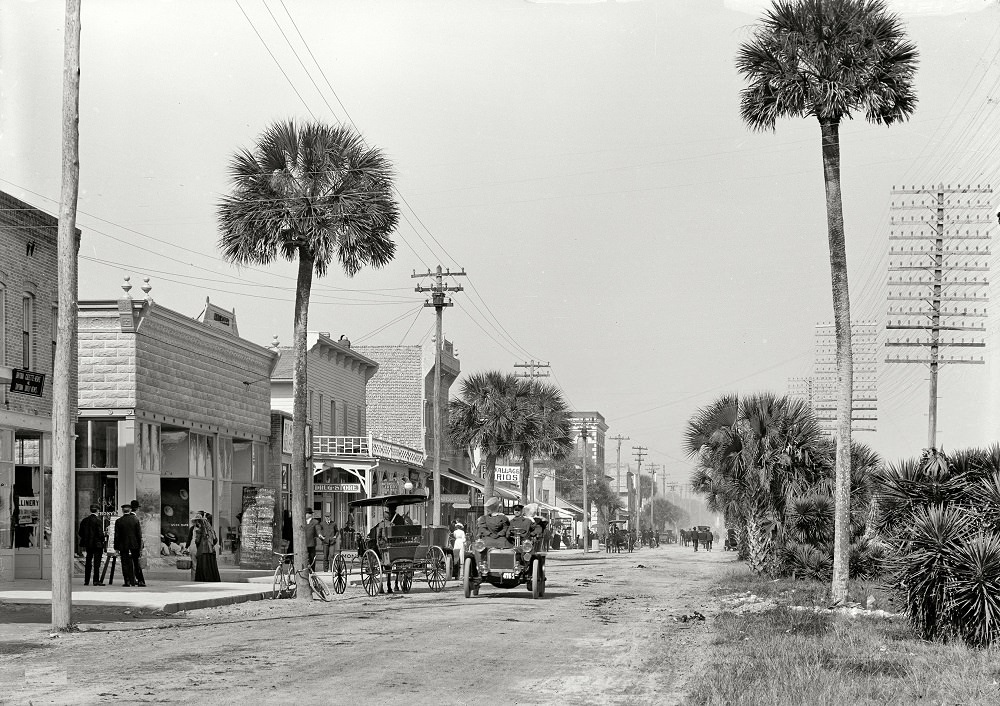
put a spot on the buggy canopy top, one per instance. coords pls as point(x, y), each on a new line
point(390, 501)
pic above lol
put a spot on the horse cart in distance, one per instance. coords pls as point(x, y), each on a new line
point(505, 567)
point(395, 552)
point(619, 538)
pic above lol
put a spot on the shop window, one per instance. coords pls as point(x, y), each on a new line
point(242, 469)
point(3, 325)
point(259, 463)
point(96, 443)
point(226, 459)
point(361, 420)
point(318, 421)
point(201, 464)
point(333, 417)
point(27, 332)
point(147, 447)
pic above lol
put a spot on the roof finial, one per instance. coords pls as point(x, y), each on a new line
point(146, 287)
point(274, 344)
point(127, 286)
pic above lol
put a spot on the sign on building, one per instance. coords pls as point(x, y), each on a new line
point(27, 382)
point(508, 474)
point(336, 487)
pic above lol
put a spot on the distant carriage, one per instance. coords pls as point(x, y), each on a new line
point(619, 538)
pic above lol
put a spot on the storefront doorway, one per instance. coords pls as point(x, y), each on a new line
point(31, 506)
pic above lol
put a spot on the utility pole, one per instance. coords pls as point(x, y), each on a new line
point(439, 301)
point(534, 368)
point(652, 492)
point(62, 402)
point(639, 452)
point(584, 432)
point(534, 371)
point(618, 466)
point(945, 308)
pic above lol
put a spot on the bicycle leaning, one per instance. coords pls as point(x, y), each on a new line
point(285, 584)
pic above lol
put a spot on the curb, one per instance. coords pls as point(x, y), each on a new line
point(214, 602)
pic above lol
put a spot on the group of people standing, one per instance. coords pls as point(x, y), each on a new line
point(320, 533)
point(127, 545)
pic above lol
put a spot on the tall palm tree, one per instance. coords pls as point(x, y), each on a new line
point(318, 194)
point(492, 414)
point(550, 429)
point(830, 59)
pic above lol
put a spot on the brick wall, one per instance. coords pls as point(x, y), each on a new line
point(28, 265)
point(396, 395)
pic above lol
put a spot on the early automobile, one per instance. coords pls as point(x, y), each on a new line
point(522, 563)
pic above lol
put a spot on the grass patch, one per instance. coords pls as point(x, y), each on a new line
point(788, 656)
point(787, 591)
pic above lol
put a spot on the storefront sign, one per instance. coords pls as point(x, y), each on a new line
point(508, 474)
point(257, 528)
point(286, 436)
point(27, 382)
point(455, 498)
point(336, 487)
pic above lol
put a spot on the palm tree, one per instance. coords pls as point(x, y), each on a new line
point(550, 429)
point(318, 194)
point(492, 414)
point(830, 59)
point(752, 453)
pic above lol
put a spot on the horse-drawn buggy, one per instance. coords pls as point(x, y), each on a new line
point(619, 539)
point(393, 549)
point(506, 564)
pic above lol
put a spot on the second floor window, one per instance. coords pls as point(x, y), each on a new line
point(27, 330)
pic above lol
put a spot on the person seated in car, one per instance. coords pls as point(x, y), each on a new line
point(494, 526)
point(519, 524)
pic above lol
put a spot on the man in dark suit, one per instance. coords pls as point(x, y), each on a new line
point(312, 534)
point(92, 543)
point(128, 543)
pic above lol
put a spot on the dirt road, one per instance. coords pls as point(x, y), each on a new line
point(610, 630)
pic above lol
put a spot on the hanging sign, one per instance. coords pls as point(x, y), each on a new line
point(508, 474)
point(27, 382)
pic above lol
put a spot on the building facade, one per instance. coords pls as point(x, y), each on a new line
point(175, 413)
point(28, 298)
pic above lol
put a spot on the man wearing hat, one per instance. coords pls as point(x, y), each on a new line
point(494, 525)
point(92, 542)
point(128, 543)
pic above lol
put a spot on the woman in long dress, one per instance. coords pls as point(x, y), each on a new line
point(204, 541)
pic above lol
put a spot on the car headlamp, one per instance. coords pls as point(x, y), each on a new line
point(479, 545)
point(525, 548)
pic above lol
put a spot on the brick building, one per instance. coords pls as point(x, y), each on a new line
point(173, 412)
point(401, 410)
point(28, 298)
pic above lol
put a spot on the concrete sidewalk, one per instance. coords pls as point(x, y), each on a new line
point(163, 596)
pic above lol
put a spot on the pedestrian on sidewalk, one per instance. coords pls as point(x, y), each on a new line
point(458, 550)
point(312, 535)
point(329, 535)
point(128, 544)
point(92, 543)
point(694, 537)
point(203, 539)
point(706, 539)
point(139, 578)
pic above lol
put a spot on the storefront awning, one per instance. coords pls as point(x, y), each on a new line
point(569, 507)
point(507, 493)
point(463, 478)
point(553, 508)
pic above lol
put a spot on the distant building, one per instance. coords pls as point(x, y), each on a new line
point(28, 299)
point(596, 429)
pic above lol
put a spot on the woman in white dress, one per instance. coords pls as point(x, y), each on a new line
point(458, 549)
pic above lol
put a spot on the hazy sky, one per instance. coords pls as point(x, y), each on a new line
point(584, 162)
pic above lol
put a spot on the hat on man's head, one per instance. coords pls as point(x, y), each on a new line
point(459, 525)
point(492, 503)
point(127, 506)
point(95, 508)
point(518, 506)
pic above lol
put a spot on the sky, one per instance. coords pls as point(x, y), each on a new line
point(584, 162)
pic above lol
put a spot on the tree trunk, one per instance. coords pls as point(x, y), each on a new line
point(758, 545)
point(489, 476)
point(62, 369)
point(300, 413)
point(845, 368)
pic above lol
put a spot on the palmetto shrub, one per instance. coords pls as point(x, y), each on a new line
point(940, 519)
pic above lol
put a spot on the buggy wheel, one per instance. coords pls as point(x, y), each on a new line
point(467, 577)
point(339, 574)
point(371, 573)
point(436, 569)
point(537, 589)
point(290, 584)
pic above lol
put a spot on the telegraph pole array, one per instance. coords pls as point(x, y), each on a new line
point(938, 299)
point(618, 466)
point(639, 453)
point(439, 300)
point(534, 369)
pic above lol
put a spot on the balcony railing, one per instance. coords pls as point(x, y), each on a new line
point(367, 447)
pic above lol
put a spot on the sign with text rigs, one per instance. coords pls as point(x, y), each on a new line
point(27, 382)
